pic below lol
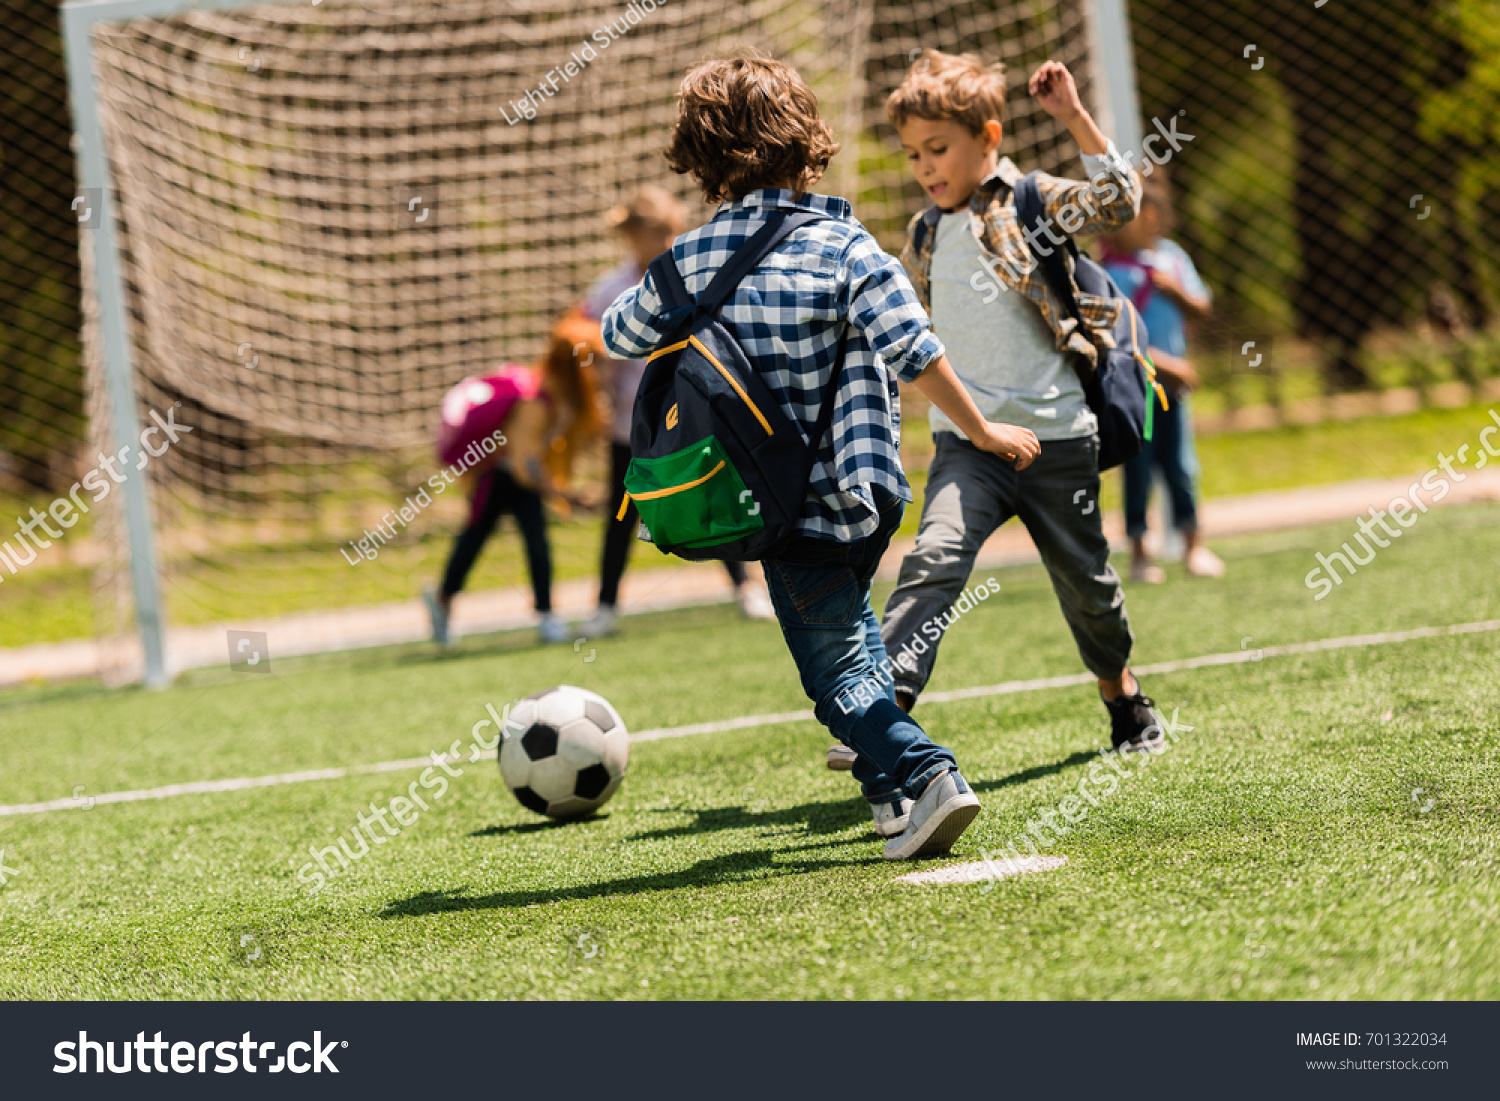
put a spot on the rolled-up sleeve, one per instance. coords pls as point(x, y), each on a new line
point(1109, 199)
point(629, 325)
point(884, 307)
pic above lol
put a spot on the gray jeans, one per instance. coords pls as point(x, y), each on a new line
point(970, 493)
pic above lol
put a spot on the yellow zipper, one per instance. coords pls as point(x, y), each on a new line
point(651, 495)
point(696, 343)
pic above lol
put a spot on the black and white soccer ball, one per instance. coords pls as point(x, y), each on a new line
point(565, 752)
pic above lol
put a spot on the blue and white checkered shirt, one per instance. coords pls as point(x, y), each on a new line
point(786, 315)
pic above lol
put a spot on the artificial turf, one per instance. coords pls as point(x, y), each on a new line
point(1327, 829)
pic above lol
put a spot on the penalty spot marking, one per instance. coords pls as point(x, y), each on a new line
point(1233, 657)
point(980, 870)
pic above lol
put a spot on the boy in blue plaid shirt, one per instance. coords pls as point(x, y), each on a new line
point(748, 130)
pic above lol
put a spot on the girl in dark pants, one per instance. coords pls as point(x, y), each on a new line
point(497, 494)
point(544, 415)
point(1161, 280)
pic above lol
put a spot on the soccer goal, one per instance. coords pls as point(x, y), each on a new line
point(306, 220)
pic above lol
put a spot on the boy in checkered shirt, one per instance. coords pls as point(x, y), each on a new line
point(1017, 351)
point(749, 131)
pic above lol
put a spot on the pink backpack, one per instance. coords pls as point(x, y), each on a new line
point(477, 407)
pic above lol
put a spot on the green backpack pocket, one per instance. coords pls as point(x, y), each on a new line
point(691, 498)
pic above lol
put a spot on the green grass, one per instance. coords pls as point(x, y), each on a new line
point(1235, 463)
point(253, 581)
point(1282, 849)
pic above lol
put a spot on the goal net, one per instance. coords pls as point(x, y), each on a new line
point(329, 212)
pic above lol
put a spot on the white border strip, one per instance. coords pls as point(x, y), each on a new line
point(205, 787)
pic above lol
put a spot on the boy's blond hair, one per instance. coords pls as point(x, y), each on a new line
point(950, 86)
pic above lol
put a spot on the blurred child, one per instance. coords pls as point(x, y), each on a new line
point(649, 223)
point(1165, 287)
point(749, 131)
point(546, 414)
point(1014, 353)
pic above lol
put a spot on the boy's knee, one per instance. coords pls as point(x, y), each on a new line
point(943, 551)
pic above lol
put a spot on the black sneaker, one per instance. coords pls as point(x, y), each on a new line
point(1134, 724)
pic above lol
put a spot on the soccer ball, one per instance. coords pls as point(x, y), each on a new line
point(564, 753)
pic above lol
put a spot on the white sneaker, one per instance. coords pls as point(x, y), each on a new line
point(891, 818)
point(599, 625)
point(841, 758)
point(438, 615)
point(937, 819)
point(1147, 572)
point(755, 603)
point(1203, 562)
point(552, 628)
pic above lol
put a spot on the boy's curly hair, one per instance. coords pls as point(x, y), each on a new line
point(949, 86)
point(747, 122)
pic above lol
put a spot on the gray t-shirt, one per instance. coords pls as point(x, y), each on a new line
point(1002, 350)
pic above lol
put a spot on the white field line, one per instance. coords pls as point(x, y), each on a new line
point(979, 871)
point(204, 787)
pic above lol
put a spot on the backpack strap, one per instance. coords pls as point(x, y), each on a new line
point(745, 260)
point(1031, 212)
point(673, 291)
point(748, 256)
point(919, 233)
point(681, 305)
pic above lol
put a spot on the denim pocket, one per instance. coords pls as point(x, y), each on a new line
point(821, 594)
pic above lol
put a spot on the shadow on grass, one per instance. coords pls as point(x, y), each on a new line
point(536, 827)
point(473, 646)
point(738, 867)
point(40, 695)
point(818, 818)
point(521, 828)
point(1036, 772)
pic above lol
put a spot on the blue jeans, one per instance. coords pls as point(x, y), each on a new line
point(821, 591)
point(1170, 448)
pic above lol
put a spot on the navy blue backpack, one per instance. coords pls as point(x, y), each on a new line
point(1118, 389)
point(717, 470)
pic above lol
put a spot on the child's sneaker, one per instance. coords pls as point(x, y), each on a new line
point(755, 603)
point(1134, 724)
point(1146, 571)
point(841, 758)
point(438, 615)
point(552, 628)
point(937, 819)
point(1202, 562)
point(599, 625)
point(891, 818)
